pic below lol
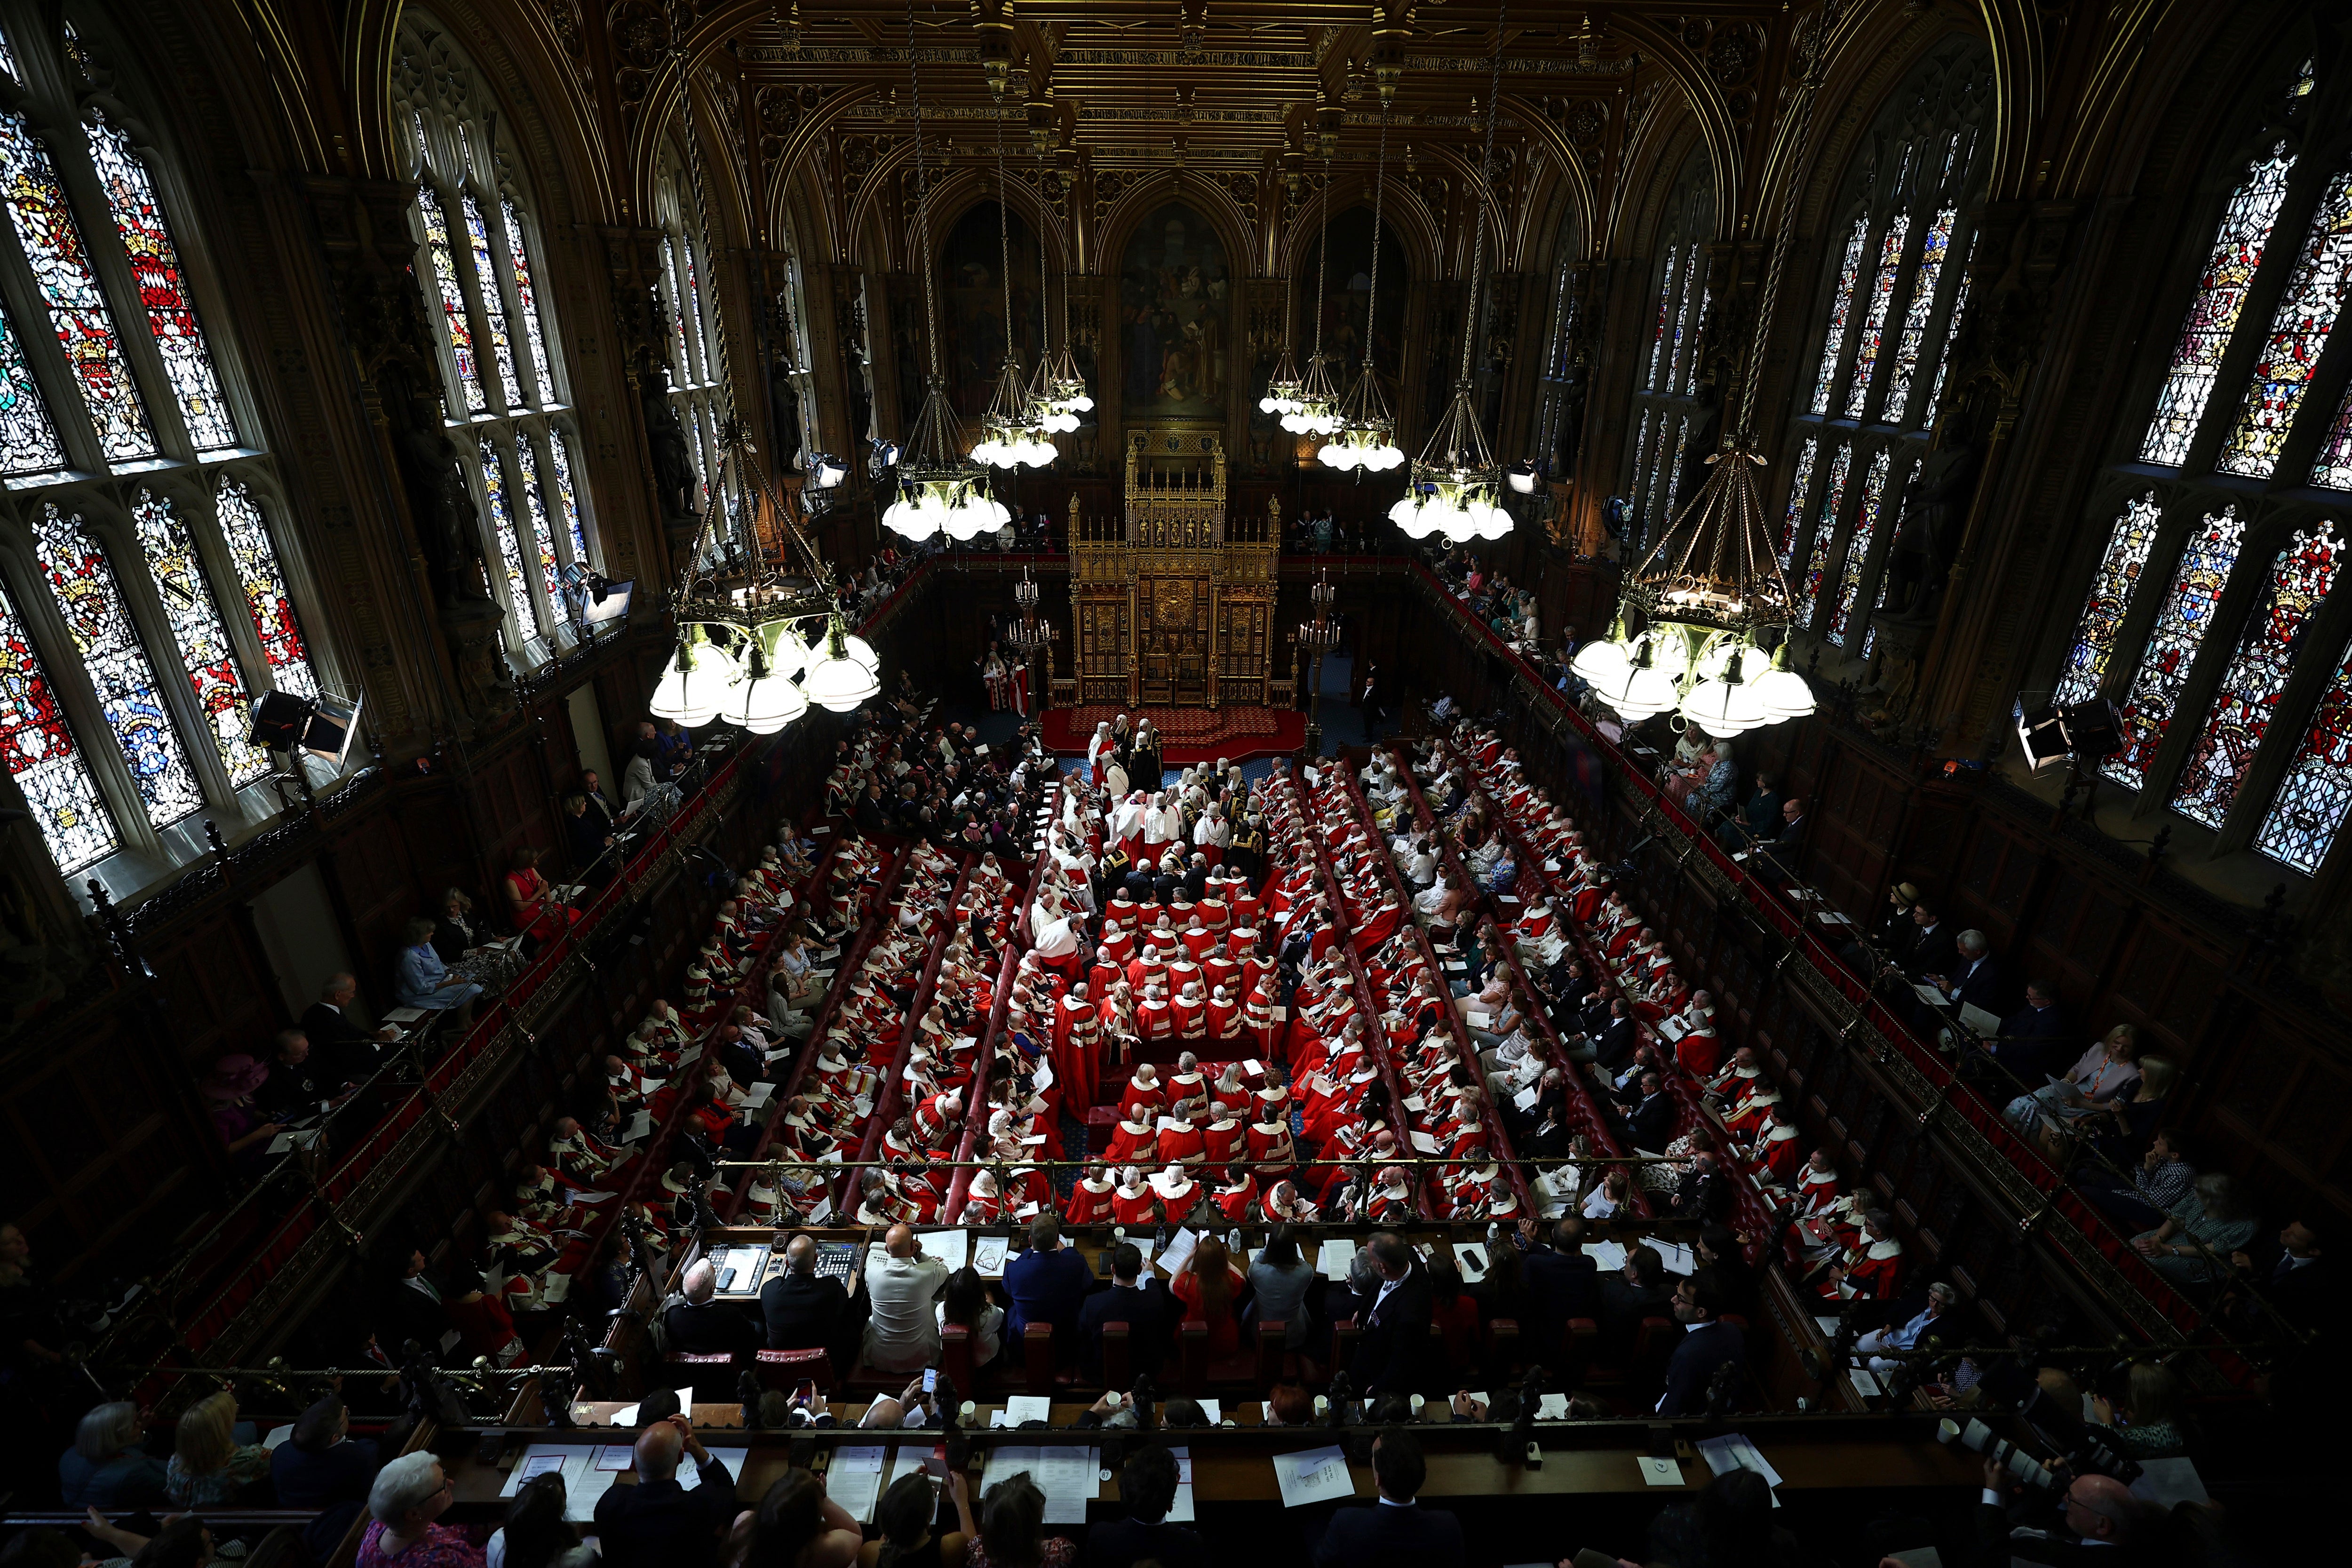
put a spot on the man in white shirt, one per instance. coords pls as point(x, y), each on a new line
point(902, 1334)
point(1941, 1299)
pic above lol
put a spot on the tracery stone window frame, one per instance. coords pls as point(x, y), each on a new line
point(2298, 109)
point(1666, 416)
point(1924, 156)
point(689, 309)
point(452, 140)
point(72, 80)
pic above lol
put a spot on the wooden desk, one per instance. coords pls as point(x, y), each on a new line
point(1231, 1462)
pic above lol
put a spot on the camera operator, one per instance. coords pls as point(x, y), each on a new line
point(2099, 1521)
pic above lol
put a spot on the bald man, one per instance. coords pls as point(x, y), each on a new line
point(658, 1523)
point(902, 1331)
point(702, 1325)
point(803, 1310)
point(2111, 1526)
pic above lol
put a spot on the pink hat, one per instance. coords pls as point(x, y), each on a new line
point(234, 1077)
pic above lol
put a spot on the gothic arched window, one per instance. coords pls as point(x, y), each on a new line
point(2237, 489)
point(144, 602)
point(505, 389)
point(1893, 297)
point(1668, 417)
point(693, 338)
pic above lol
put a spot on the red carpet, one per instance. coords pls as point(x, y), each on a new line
point(1188, 734)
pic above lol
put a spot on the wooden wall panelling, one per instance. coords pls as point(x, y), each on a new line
point(219, 984)
point(2167, 983)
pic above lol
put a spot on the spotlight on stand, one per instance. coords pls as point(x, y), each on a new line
point(2079, 732)
point(595, 598)
point(1522, 478)
point(826, 470)
point(325, 725)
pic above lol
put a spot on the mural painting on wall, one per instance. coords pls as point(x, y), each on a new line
point(972, 282)
point(1174, 297)
point(1347, 302)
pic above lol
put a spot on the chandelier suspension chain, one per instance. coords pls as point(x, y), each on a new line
point(1485, 192)
point(1322, 252)
point(1003, 228)
point(1379, 193)
point(922, 198)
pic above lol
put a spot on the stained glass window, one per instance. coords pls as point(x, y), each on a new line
point(1874, 321)
point(1673, 478)
point(163, 288)
point(2110, 596)
point(1686, 328)
point(204, 648)
point(90, 600)
point(2299, 329)
point(1698, 330)
point(565, 496)
point(42, 757)
point(453, 303)
point(256, 556)
point(493, 487)
point(53, 244)
point(527, 303)
point(1659, 468)
point(534, 502)
point(494, 310)
point(2310, 805)
point(694, 313)
point(2172, 642)
point(2242, 711)
point(676, 304)
point(1943, 355)
point(1857, 549)
point(28, 442)
point(8, 59)
point(1666, 313)
point(1934, 247)
point(1841, 306)
point(1824, 534)
point(1641, 455)
point(1800, 480)
point(2228, 273)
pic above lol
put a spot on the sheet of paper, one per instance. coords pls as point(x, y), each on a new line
point(1832, 918)
point(853, 1483)
point(1525, 1099)
point(1471, 1260)
point(1334, 1259)
point(1672, 1029)
point(540, 1458)
point(1607, 1255)
point(1552, 1407)
point(616, 1456)
point(1930, 995)
point(1982, 1022)
point(1732, 1452)
point(952, 1248)
point(1212, 1410)
point(1423, 1142)
point(1827, 1326)
point(1316, 1475)
point(1179, 1252)
point(1678, 1258)
point(988, 1256)
point(1863, 1384)
point(1182, 1511)
point(278, 1435)
point(2167, 1481)
point(1662, 1472)
point(1029, 1408)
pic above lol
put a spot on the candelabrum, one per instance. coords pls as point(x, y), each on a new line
point(1319, 636)
point(1031, 638)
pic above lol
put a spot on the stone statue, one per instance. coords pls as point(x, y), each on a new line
point(1571, 433)
point(784, 406)
point(1935, 511)
point(448, 530)
point(666, 444)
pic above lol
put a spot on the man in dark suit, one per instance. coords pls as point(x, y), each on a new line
point(702, 1326)
point(346, 1052)
point(1394, 1531)
point(803, 1311)
point(1975, 978)
point(658, 1523)
point(2033, 1042)
point(1396, 1324)
point(2292, 1275)
point(588, 839)
point(1047, 1283)
point(1564, 1282)
point(1636, 1291)
point(1706, 1344)
point(322, 1464)
point(1777, 859)
point(412, 1311)
point(1146, 1484)
point(599, 808)
point(1935, 947)
point(1147, 1310)
point(1651, 1121)
point(1613, 1045)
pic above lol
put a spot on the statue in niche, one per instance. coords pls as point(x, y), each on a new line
point(1935, 510)
point(673, 464)
point(1570, 432)
point(447, 528)
point(784, 408)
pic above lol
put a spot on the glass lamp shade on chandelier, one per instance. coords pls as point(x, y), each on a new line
point(1366, 440)
point(939, 493)
point(1705, 594)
